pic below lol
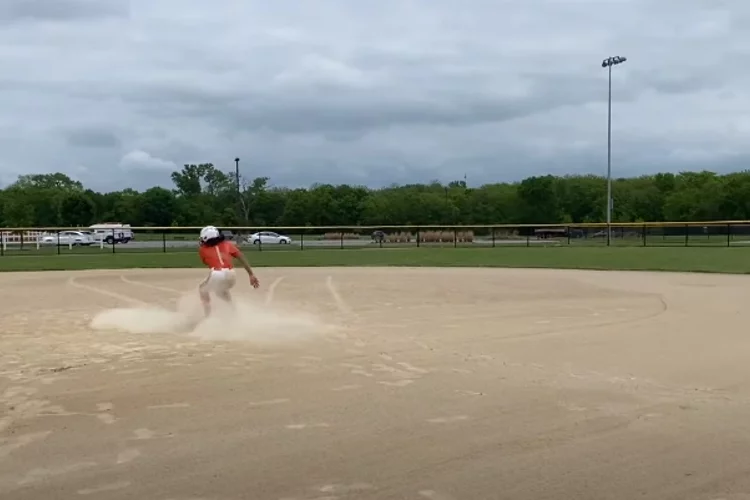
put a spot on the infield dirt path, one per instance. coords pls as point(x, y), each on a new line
point(457, 384)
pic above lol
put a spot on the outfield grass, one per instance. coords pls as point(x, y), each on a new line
point(697, 259)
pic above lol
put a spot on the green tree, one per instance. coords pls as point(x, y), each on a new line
point(538, 200)
point(157, 207)
point(77, 209)
point(202, 194)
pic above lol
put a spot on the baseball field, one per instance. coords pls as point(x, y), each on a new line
point(433, 374)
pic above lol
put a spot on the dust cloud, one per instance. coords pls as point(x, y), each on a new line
point(244, 321)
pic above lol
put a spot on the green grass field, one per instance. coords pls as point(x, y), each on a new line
point(695, 259)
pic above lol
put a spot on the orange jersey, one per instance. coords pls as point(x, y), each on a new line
point(219, 256)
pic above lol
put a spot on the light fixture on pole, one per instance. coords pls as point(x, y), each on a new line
point(608, 63)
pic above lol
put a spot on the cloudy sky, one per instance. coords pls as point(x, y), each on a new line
point(120, 93)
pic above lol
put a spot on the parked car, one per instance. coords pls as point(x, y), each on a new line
point(67, 238)
point(266, 237)
point(112, 232)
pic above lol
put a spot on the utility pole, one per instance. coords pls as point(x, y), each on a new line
point(608, 63)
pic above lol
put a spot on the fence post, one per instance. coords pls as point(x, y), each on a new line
point(418, 238)
point(567, 230)
point(58, 242)
point(687, 234)
point(493, 237)
point(113, 240)
point(455, 237)
point(164, 241)
point(645, 229)
point(729, 234)
point(302, 241)
point(341, 237)
point(2, 244)
point(528, 238)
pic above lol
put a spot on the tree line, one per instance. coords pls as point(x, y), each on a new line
point(203, 194)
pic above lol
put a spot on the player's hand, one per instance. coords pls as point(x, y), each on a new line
point(254, 281)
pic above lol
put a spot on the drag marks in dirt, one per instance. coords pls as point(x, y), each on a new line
point(269, 402)
point(145, 434)
point(349, 387)
point(44, 474)
point(8, 446)
point(448, 420)
point(374, 372)
point(334, 491)
point(151, 286)
point(105, 488)
point(307, 426)
point(342, 491)
point(170, 406)
point(127, 456)
point(22, 406)
point(40, 474)
point(272, 289)
point(75, 283)
point(341, 304)
point(393, 375)
point(104, 413)
point(435, 495)
point(387, 371)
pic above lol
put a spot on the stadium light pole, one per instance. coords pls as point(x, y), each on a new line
point(608, 63)
point(239, 194)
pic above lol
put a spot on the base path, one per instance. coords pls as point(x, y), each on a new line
point(336, 384)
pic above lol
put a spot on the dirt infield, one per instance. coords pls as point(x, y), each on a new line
point(455, 384)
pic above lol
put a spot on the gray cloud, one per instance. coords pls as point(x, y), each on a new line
point(61, 10)
point(90, 137)
point(341, 91)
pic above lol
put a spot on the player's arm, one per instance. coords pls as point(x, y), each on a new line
point(237, 254)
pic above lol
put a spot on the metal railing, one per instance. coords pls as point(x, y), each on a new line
point(61, 241)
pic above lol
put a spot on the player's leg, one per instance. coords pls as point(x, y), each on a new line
point(225, 285)
point(205, 295)
point(226, 296)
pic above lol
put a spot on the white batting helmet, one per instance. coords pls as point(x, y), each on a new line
point(209, 233)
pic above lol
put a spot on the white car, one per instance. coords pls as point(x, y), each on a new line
point(74, 238)
point(266, 237)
